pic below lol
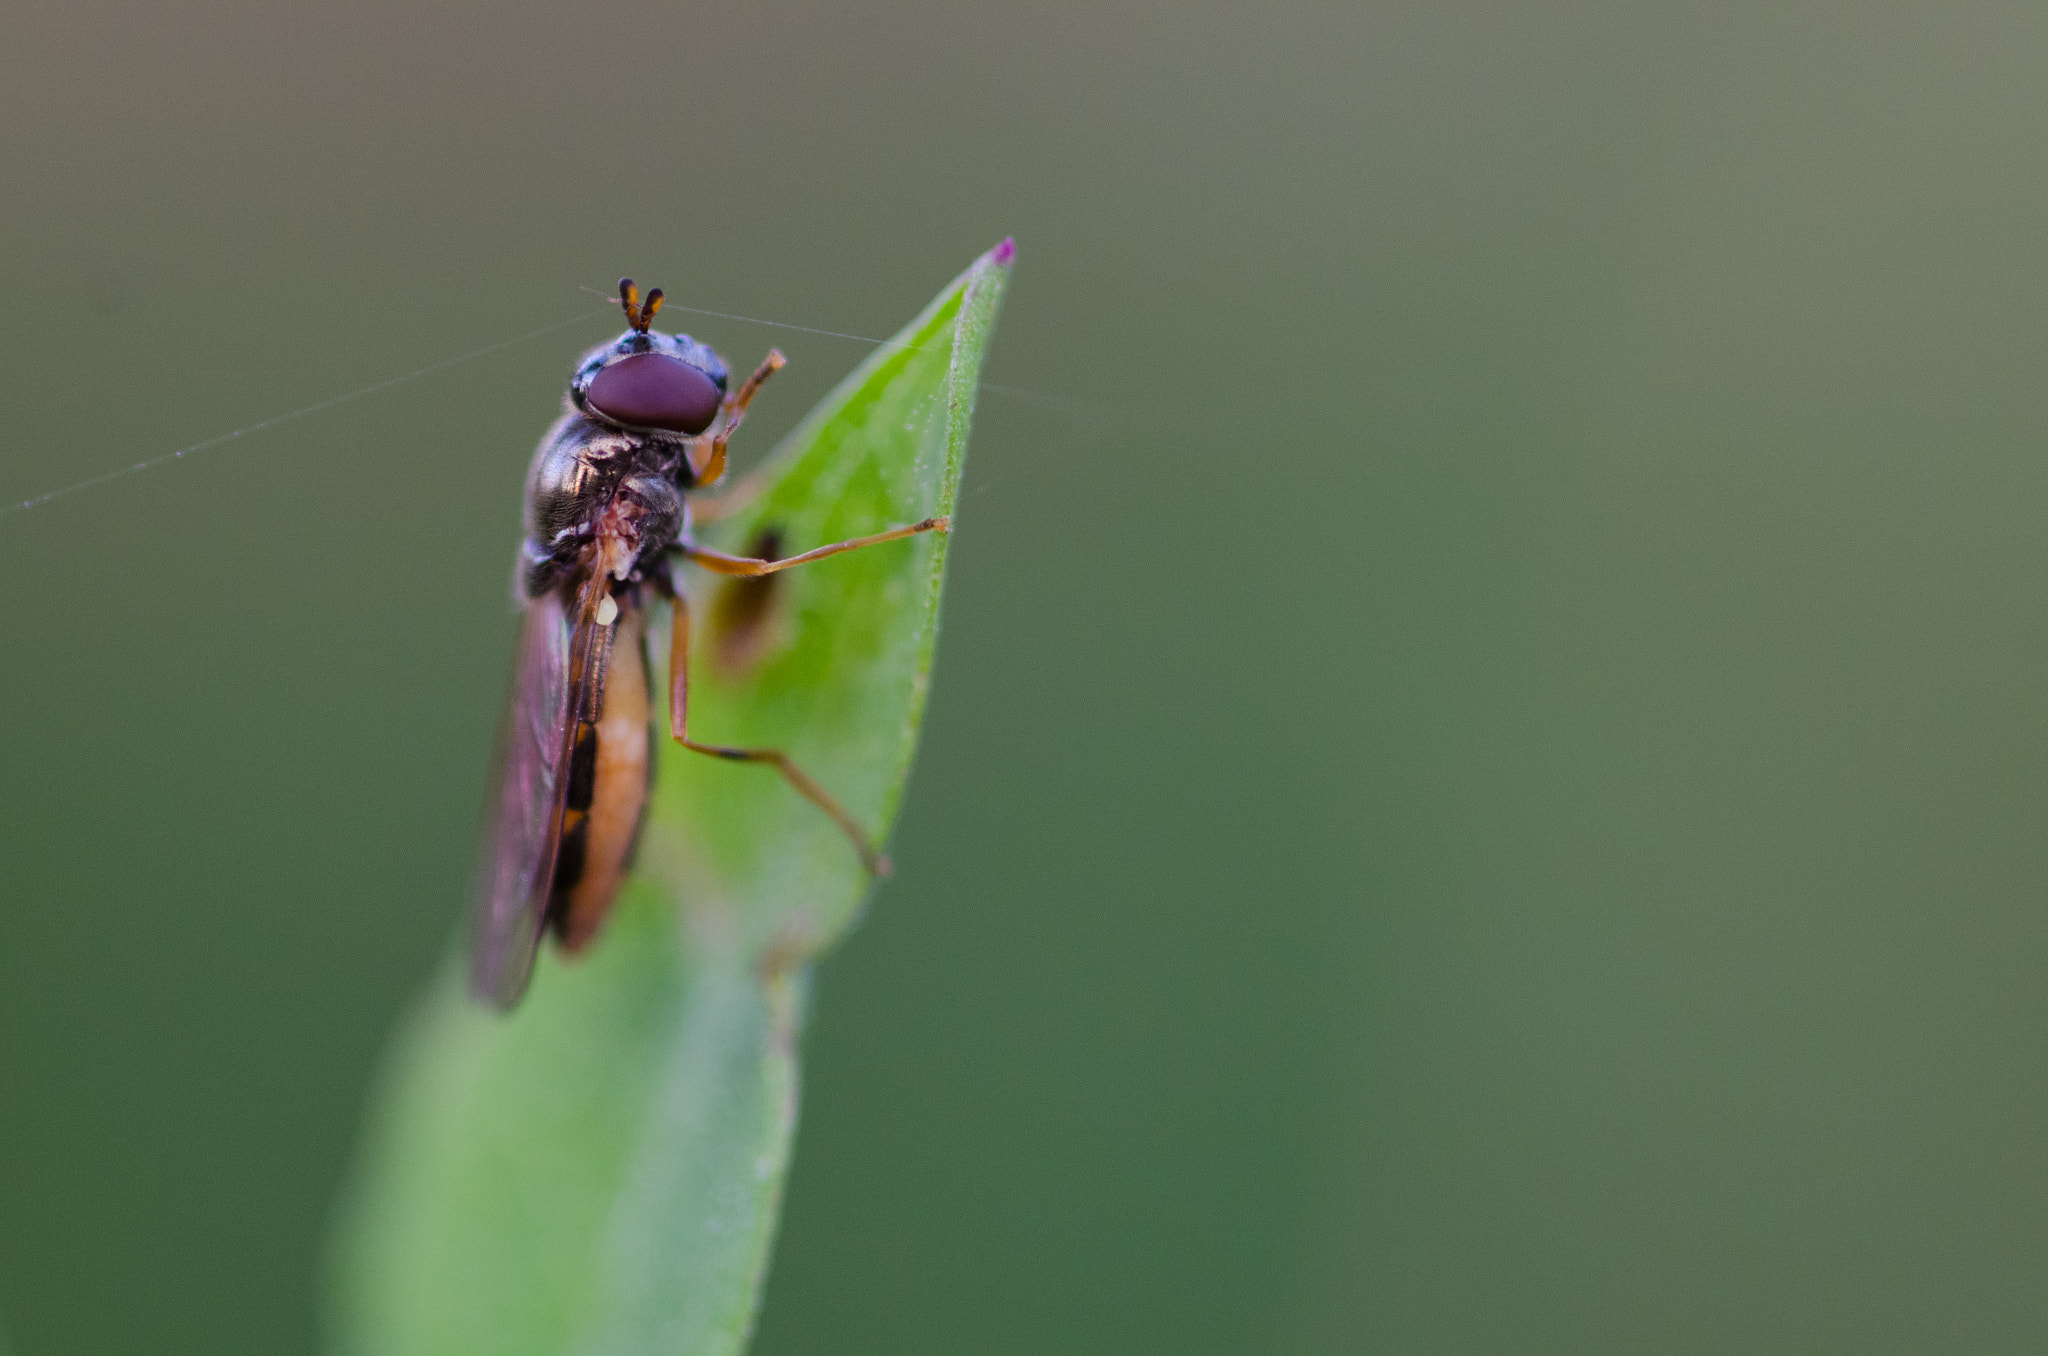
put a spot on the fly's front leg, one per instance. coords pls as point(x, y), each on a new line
point(799, 780)
point(713, 465)
point(748, 566)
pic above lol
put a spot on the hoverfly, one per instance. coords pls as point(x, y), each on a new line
point(645, 425)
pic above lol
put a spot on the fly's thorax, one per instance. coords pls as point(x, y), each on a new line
point(574, 471)
point(647, 513)
point(588, 479)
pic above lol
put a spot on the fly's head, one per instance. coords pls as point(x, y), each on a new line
point(664, 385)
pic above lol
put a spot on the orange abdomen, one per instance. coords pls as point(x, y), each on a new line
point(607, 794)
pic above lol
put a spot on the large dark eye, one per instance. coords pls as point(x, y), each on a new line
point(653, 390)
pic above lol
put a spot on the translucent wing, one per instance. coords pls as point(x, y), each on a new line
point(561, 661)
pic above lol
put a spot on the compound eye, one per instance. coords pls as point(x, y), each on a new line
point(653, 390)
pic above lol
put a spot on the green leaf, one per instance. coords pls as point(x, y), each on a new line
point(599, 1172)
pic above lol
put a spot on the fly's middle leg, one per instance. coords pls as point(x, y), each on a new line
point(749, 566)
point(799, 780)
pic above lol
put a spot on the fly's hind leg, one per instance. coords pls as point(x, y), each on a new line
point(678, 712)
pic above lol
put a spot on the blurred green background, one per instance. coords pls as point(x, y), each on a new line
point(1485, 784)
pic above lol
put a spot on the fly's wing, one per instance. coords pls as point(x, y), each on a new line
point(561, 659)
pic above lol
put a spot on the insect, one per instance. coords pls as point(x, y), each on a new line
point(608, 525)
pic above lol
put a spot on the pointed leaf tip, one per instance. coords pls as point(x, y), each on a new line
point(1005, 252)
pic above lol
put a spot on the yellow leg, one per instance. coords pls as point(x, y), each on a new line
point(734, 410)
point(678, 713)
point(747, 566)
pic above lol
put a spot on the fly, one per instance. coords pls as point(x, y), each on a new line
point(645, 425)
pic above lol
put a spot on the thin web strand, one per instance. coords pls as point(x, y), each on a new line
point(802, 329)
point(1081, 411)
point(300, 413)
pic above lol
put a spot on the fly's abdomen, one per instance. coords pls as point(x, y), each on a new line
point(607, 792)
